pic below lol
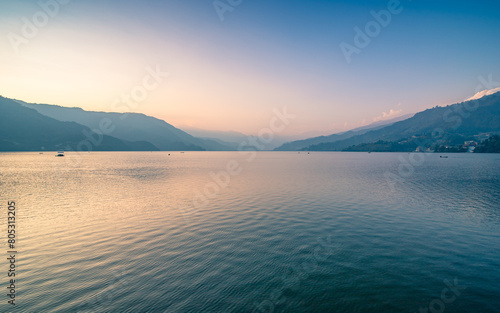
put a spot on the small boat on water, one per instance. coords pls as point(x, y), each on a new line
point(60, 154)
point(443, 156)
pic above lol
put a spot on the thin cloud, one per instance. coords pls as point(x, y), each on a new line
point(484, 93)
point(388, 115)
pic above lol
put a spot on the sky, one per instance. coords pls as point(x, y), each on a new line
point(335, 65)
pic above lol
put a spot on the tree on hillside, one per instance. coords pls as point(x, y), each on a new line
point(490, 145)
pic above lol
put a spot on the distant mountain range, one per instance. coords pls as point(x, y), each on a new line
point(24, 129)
point(125, 127)
point(230, 139)
point(35, 127)
point(233, 139)
point(476, 119)
point(305, 143)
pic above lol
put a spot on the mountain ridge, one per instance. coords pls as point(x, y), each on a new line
point(467, 120)
point(303, 143)
point(454, 122)
point(131, 127)
point(24, 129)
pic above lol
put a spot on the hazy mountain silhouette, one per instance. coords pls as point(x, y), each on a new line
point(230, 139)
point(301, 144)
point(132, 127)
point(29, 127)
point(234, 139)
point(439, 125)
point(24, 129)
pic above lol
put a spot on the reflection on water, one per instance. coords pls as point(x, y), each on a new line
point(144, 232)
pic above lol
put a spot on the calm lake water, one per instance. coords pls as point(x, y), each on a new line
point(226, 232)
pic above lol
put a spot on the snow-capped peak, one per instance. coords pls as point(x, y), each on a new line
point(484, 93)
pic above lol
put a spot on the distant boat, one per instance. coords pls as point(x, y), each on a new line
point(443, 156)
point(60, 154)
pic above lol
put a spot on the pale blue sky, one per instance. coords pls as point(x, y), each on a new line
point(229, 75)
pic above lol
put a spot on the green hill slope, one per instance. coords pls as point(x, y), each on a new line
point(24, 129)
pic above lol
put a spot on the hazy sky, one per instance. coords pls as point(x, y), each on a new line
point(230, 74)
